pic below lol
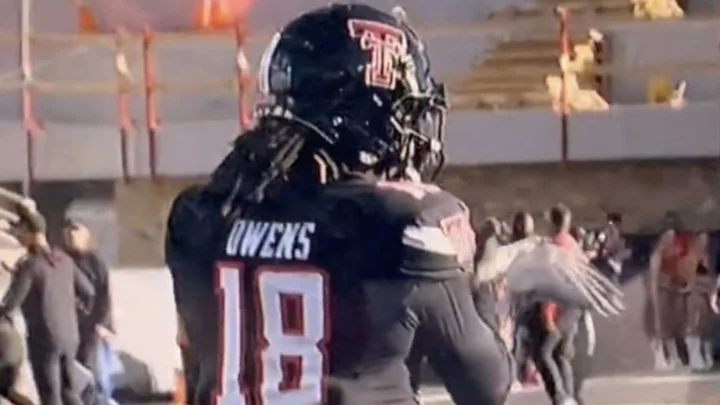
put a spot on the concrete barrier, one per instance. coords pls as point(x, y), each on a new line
point(146, 325)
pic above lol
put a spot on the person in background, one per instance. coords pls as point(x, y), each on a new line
point(580, 234)
point(486, 303)
point(699, 340)
point(714, 297)
point(613, 250)
point(556, 348)
point(523, 226)
point(95, 321)
point(45, 287)
point(673, 267)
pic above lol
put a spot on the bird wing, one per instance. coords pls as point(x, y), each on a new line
point(536, 270)
point(497, 258)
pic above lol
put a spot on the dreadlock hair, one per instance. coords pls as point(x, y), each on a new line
point(275, 156)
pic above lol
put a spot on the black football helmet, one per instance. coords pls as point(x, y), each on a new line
point(360, 80)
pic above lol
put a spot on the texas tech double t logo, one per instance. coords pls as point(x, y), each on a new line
point(387, 47)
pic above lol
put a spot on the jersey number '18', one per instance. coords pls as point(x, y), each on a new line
point(291, 316)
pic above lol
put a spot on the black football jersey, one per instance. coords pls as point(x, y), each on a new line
point(307, 294)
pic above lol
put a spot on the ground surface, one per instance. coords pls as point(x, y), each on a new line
point(677, 390)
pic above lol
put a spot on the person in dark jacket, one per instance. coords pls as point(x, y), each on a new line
point(95, 317)
point(44, 288)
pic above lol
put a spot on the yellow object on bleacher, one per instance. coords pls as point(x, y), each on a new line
point(659, 90)
point(662, 92)
point(582, 62)
point(576, 99)
point(657, 9)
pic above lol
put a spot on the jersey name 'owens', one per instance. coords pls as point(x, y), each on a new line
point(270, 240)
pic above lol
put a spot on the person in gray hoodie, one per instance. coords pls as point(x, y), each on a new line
point(44, 288)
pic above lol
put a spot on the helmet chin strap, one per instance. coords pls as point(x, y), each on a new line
point(327, 169)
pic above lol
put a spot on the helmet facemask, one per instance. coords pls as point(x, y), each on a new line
point(418, 123)
point(418, 117)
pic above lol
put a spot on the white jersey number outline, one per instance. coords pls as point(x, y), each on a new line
point(292, 319)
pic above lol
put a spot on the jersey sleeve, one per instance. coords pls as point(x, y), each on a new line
point(440, 240)
point(428, 251)
point(406, 229)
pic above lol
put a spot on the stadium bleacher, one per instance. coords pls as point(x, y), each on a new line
point(523, 74)
point(604, 8)
point(528, 72)
point(657, 9)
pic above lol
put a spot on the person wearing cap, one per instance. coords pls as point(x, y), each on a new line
point(95, 319)
point(44, 288)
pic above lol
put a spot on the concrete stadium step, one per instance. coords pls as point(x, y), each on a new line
point(541, 47)
point(528, 54)
point(491, 77)
point(539, 69)
point(524, 46)
point(546, 8)
point(599, 7)
point(527, 61)
point(508, 86)
point(538, 41)
point(501, 100)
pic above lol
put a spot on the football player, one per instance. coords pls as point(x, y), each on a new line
point(314, 257)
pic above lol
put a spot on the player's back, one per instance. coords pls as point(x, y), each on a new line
point(314, 294)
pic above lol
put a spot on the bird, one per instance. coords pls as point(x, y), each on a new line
point(535, 270)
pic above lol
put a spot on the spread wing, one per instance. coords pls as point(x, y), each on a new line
point(536, 270)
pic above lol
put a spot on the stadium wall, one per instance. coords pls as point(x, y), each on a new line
point(187, 149)
point(664, 43)
point(704, 7)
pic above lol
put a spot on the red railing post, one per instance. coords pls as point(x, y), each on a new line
point(150, 110)
point(243, 77)
point(124, 84)
point(565, 51)
point(30, 125)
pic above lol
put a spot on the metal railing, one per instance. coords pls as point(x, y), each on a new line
point(122, 87)
point(151, 85)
